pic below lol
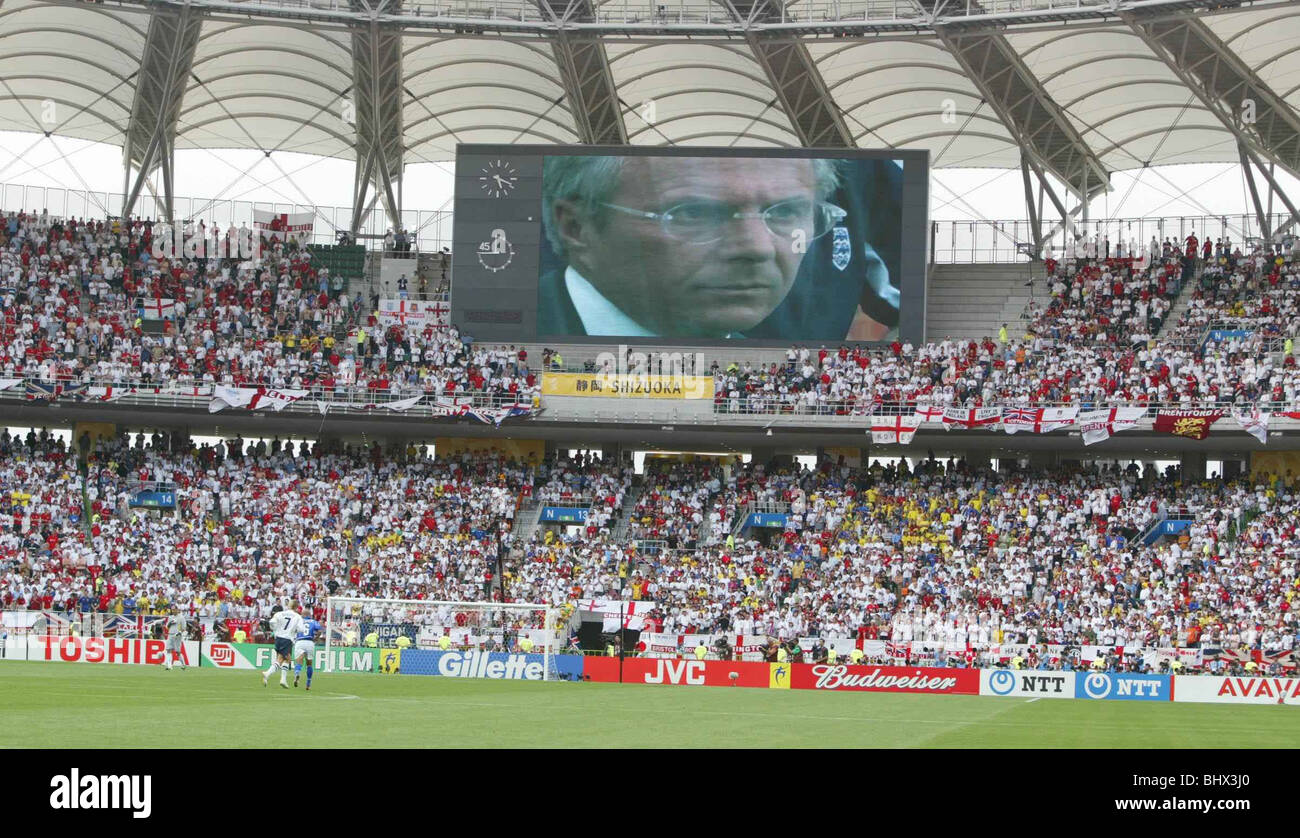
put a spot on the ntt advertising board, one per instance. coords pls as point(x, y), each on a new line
point(1027, 683)
point(1122, 686)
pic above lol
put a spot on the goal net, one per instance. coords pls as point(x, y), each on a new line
point(457, 639)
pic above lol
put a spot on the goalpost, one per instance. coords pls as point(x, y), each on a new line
point(467, 639)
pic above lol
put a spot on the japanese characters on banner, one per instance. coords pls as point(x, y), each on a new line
point(1040, 420)
point(414, 314)
point(971, 417)
point(259, 398)
point(894, 430)
point(1193, 424)
point(1099, 425)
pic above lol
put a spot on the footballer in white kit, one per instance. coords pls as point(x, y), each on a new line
point(175, 648)
point(286, 625)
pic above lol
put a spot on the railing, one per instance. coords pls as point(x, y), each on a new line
point(837, 413)
point(987, 241)
point(430, 229)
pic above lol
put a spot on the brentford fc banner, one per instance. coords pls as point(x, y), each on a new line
point(413, 313)
point(1098, 425)
point(971, 417)
point(281, 225)
point(893, 430)
point(1193, 424)
point(1039, 420)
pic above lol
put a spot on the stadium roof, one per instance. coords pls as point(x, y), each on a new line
point(1081, 87)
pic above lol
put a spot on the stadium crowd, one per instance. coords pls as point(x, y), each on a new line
point(941, 554)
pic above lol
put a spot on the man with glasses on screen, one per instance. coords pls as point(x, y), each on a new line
point(678, 246)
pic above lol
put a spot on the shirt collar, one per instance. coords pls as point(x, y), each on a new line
point(600, 316)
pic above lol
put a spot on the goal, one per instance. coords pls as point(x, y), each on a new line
point(458, 639)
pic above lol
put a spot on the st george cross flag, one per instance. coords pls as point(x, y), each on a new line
point(157, 308)
point(439, 314)
point(282, 225)
point(893, 430)
point(632, 612)
point(1098, 425)
point(251, 398)
point(1291, 414)
point(1040, 420)
point(411, 313)
point(971, 417)
point(1254, 423)
point(108, 394)
point(929, 413)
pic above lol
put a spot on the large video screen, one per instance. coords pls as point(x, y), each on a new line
point(696, 246)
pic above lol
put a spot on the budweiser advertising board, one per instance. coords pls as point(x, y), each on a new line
point(891, 679)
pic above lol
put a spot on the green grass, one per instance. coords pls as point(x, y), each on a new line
point(69, 705)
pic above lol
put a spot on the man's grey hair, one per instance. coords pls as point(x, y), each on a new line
point(589, 181)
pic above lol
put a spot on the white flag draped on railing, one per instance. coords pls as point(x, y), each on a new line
point(6, 383)
point(109, 394)
point(894, 430)
point(250, 398)
point(1254, 423)
point(971, 417)
point(929, 413)
point(1098, 425)
point(1040, 420)
point(448, 406)
point(399, 405)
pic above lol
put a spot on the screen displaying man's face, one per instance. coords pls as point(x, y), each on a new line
point(673, 285)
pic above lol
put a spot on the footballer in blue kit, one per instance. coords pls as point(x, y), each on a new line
point(304, 649)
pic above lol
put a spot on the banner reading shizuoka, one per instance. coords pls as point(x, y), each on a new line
point(627, 386)
point(1193, 424)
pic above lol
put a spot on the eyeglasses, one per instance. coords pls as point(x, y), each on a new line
point(703, 222)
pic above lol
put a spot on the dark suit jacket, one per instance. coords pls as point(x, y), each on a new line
point(556, 314)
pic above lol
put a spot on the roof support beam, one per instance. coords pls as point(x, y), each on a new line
point(150, 144)
point(802, 92)
point(1282, 196)
point(1039, 125)
point(586, 76)
point(1035, 222)
point(1260, 217)
point(1259, 118)
point(377, 107)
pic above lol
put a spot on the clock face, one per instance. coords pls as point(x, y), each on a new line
point(497, 252)
point(498, 178)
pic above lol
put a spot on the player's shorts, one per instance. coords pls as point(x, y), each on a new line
point(284, 647)
point(174, 644)
point(304, 647)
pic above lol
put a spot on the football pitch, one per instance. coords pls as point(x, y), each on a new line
point(68, 705)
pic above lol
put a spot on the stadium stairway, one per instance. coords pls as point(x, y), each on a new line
point(630, 498)
point(973, 301)
point(1182, 302)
